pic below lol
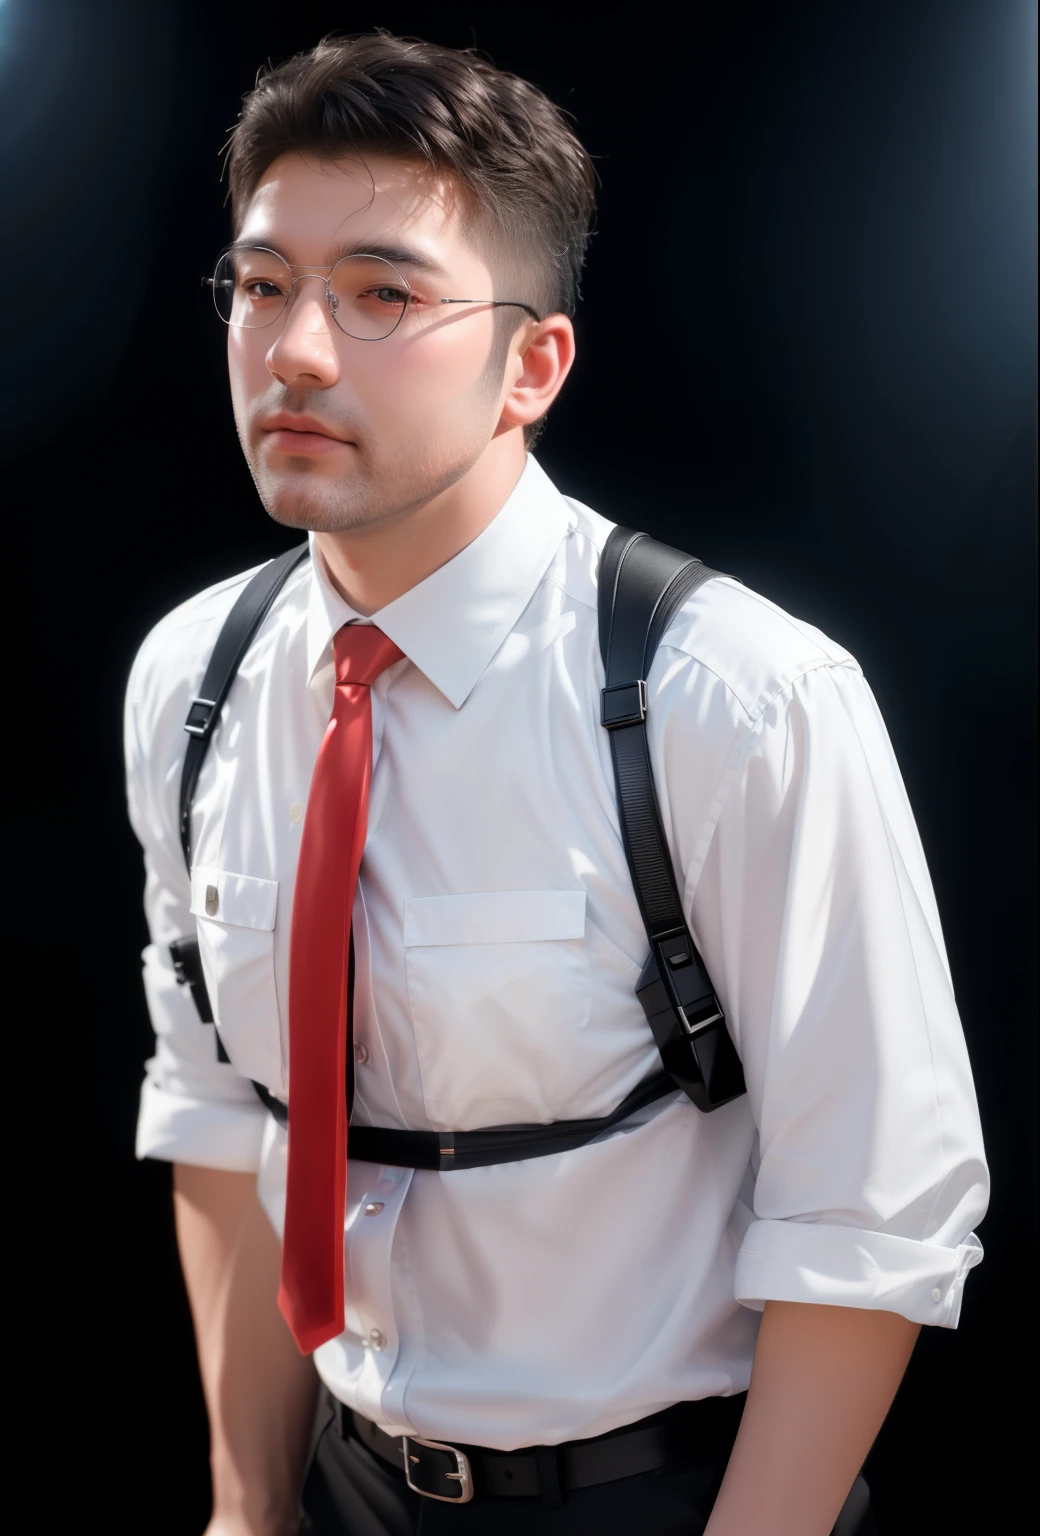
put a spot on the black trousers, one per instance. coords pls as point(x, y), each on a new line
point(350, 1491)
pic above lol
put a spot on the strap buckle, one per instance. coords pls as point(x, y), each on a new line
point(187, 963)
point(200, 717)
point(696, 1011)
point(623, 704)
point(697, 1021)
point(462, 1475)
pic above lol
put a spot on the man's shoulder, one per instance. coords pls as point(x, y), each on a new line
point(175, 650)
point(756, 648)
point(168, 668)
point(749, 644)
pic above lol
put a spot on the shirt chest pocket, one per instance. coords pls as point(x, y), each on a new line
point(498, 989)
point(235, 917)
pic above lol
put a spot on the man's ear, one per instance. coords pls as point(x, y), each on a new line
point(537, 367)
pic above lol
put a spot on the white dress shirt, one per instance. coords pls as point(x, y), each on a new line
point(498, 942)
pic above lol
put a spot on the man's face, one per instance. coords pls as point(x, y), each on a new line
point(405, 417)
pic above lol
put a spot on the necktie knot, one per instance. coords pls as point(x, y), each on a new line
point(362, 652)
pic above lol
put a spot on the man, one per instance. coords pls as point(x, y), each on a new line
point(409, 229)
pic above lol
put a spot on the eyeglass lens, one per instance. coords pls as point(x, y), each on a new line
point(367, 296)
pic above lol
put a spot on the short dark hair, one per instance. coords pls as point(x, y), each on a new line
point(513, 154)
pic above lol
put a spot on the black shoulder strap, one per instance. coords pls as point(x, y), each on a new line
point(250, 609)
point(642, 584)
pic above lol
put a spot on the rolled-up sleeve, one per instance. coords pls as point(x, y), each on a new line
point(193, 1109)
point(824, 940)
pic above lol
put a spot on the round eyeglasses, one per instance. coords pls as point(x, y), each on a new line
point(366, 295)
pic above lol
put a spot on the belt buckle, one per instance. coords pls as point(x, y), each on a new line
point(463, 1476)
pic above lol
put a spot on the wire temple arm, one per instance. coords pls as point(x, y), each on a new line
point(497, 304)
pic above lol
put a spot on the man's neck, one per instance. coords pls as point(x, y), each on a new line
point(371, 566)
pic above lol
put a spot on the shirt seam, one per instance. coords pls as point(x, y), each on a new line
point(730, 690)
point(754, 714)
point(789, 619)
point(741, 747)
point(554, 581)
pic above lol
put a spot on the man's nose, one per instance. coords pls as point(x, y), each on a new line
point(304, 346)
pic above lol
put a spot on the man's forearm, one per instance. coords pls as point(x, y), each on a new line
point(260, 1393)
point(822, 1381)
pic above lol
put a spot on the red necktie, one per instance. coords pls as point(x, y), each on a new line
point(311, 1292)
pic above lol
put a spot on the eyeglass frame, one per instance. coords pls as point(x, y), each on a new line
point(330, 296)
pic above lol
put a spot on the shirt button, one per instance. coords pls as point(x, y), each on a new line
point(377, 1339)
point(361, 1053)
point(937, 1294)
point(373, 1207)
point(296, 811)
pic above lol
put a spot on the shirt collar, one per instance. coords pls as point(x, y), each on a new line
point(452, 623)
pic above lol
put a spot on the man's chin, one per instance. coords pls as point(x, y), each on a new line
point(309, 503)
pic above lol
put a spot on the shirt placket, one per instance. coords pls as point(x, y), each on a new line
point(376, 1197)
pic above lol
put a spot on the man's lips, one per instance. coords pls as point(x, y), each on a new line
point(300, 435)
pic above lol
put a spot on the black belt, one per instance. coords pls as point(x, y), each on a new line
point(441, 1151)
point(693, 1432)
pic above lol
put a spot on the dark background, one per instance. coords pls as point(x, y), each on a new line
point(827, 386)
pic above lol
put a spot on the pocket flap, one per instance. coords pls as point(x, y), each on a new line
point(494, 917)
point(242, 901)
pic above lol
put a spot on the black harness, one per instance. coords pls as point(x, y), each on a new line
point(642, 584)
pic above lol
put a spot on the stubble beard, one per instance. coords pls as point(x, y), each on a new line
point(304, 495)
point(379, 484)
